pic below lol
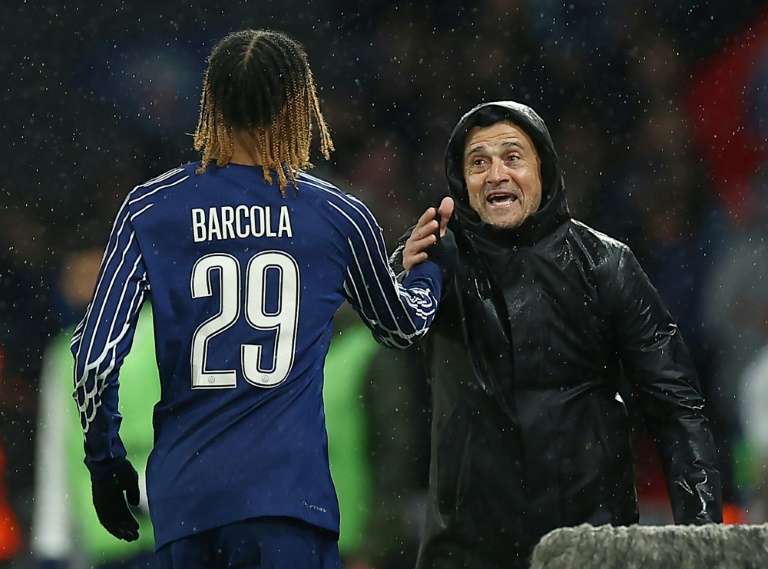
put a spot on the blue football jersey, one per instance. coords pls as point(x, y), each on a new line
point(244, 284)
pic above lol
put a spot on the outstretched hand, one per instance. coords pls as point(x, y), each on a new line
point(109, 498)
point(425, 233)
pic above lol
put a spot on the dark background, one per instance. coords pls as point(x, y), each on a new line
point(660, 134)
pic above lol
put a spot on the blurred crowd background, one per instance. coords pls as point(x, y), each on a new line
point(659, 111)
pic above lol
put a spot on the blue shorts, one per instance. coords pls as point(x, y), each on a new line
point(258, 543)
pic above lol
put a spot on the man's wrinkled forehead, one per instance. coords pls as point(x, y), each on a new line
point(517, 137)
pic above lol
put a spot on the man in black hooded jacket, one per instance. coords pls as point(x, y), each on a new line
point(545, 319)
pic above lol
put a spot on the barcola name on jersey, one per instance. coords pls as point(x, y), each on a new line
point(239, 222)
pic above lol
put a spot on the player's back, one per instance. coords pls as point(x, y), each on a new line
point(244, 284)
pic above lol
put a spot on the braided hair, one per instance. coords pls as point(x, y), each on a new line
point(259, 82)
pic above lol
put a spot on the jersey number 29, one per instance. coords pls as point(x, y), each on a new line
point(283, 319)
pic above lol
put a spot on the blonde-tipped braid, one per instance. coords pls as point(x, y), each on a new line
point(257, 64)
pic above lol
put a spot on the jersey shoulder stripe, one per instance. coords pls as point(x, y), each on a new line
point(306, 177)
point(168, 179)
point(354, 209)
point(331, 189)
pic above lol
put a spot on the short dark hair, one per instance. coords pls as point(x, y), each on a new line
point(260, 82)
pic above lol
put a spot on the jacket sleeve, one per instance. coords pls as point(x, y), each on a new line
point(103, 339)
point(397, 313)
point(657, 365)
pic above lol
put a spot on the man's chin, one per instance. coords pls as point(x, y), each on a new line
point(502, 221)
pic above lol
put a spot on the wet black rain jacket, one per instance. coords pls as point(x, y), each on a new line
point(527, 353)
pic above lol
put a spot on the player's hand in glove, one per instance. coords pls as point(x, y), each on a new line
point(109, 498)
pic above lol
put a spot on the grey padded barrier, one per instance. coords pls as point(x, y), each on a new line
point(712, 546)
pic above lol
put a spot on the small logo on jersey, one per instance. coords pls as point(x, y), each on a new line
point(211, 379)
point(313, 507)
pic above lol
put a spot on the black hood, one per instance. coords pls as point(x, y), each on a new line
point(553, 209)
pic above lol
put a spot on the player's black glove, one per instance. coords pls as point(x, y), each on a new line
point(109, 498)
point(444, 252)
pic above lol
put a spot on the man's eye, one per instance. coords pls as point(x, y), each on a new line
point(478, 162)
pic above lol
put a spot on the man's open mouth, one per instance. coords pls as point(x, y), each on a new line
point(501, 198)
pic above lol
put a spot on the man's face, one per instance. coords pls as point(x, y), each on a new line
point(503, 174)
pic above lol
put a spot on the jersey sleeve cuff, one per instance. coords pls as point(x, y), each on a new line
point(427, 270)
